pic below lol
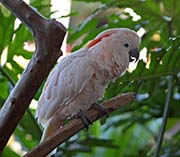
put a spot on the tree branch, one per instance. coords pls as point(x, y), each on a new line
point(76, 125)
point(48, 35)
point(12, 82)
point(28, 15)
point(165, 117)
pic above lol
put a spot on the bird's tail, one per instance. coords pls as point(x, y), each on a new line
point(49, 128)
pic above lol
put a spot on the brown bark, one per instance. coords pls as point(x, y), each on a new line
point(48, 35)
point(74, 126)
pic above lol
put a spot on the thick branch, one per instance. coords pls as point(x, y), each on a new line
point(49, 35)
point(25, 13)
point(76, 125)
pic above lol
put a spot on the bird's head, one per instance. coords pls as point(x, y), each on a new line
point(121, 41)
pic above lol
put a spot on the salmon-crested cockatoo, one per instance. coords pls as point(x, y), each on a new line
point(80, 78)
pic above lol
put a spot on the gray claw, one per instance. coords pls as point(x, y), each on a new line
point(84, 118)
point(101, 108)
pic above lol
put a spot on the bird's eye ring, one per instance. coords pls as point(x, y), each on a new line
point(126, 45)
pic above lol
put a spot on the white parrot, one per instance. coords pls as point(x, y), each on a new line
point(80, 78)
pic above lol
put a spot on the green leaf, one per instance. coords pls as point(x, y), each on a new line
point(4, 88)
point(9, 153)
point(98, 143)
point(6, 23)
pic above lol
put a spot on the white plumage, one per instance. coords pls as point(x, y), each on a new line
point(80, 78)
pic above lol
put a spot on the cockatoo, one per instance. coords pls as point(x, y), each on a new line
point(80, 78)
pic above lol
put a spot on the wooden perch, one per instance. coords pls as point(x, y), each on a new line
point(49, 35)
point(75, 125)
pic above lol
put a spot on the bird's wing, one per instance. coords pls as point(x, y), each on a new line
point(65, 81)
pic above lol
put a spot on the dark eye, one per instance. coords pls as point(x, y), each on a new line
point(126, 45)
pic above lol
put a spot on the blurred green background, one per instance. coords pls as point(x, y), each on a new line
point(133, 130)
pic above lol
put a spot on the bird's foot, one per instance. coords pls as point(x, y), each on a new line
point(101, 108)
point(84, 118)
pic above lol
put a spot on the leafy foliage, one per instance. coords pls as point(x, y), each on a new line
point(132, 130)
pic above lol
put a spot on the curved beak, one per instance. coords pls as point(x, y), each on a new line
point(133, 55)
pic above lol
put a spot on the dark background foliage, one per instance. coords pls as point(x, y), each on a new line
point(134, 129)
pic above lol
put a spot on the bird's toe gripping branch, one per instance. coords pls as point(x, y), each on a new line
point(84, 118)
point(102, 108)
